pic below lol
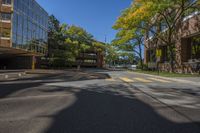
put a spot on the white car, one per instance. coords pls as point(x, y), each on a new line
point(132, 67)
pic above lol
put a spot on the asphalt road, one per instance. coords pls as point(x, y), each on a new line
point(98, 101)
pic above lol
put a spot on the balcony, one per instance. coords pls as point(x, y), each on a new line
point(5, 42)
point(6, 8)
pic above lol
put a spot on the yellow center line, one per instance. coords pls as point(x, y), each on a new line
point(160, 80)
point(126, 80)
point(143, 80)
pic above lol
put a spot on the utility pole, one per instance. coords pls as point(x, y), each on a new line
point(105, 38)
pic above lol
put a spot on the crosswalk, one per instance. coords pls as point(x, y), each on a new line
point(139, 80)
point(160, 80)
point(143, 80)
point(126, 79)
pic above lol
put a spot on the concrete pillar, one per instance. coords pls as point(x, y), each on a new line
point(33, 62)
point(100, 60)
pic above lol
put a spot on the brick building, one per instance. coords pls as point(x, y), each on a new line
point(23, 33)
point(187, 48)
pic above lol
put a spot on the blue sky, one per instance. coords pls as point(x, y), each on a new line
point(96, 16)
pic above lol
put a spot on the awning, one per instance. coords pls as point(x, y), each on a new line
point(9, 51)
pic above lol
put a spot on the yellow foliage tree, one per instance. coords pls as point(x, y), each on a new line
point(142, 15)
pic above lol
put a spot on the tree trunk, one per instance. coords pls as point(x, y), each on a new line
point(171, 48)
point(171, 58)
point(141, 60)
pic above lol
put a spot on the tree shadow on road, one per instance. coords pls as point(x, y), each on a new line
point(113, 109)
point(10, 87)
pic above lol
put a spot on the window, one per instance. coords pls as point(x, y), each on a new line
point(6, 2)
point(5, 16)
point(152, 55)
point(196, 48)
point(27, 23)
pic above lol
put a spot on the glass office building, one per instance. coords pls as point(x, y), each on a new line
point(29, 26)
point(23, 33)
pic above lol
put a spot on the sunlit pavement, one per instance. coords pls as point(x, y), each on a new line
point(98, 101)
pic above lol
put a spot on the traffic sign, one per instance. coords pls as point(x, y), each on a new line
point(158, 52)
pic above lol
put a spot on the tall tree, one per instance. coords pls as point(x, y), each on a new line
point(131, 41)
point(146, 14)
point(112, 55)
point(56, 36)
point(66, 43)
point(79, 41)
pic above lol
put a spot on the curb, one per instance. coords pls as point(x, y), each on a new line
point(44, 72)
point(11, 75)
point(172, 79)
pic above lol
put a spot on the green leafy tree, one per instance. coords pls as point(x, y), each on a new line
point(112, 54)
point(142, 15)
point(79, 41)
point(67, 43)
point(131, 42)
point(55, 36)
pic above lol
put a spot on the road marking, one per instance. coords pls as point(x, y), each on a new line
point(159, 80)
point(127, 80)
point(130, 72)
point(143, 80)
point(111, 80)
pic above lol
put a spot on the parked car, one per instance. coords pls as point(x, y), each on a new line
point(132, 67)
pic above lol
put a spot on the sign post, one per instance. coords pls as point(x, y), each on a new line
point(158, 57)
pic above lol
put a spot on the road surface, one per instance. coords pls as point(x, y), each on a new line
point(98, 101)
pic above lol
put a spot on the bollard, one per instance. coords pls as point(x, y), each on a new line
point(6, 76)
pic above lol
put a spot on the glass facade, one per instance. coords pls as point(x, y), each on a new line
point(29, 26)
